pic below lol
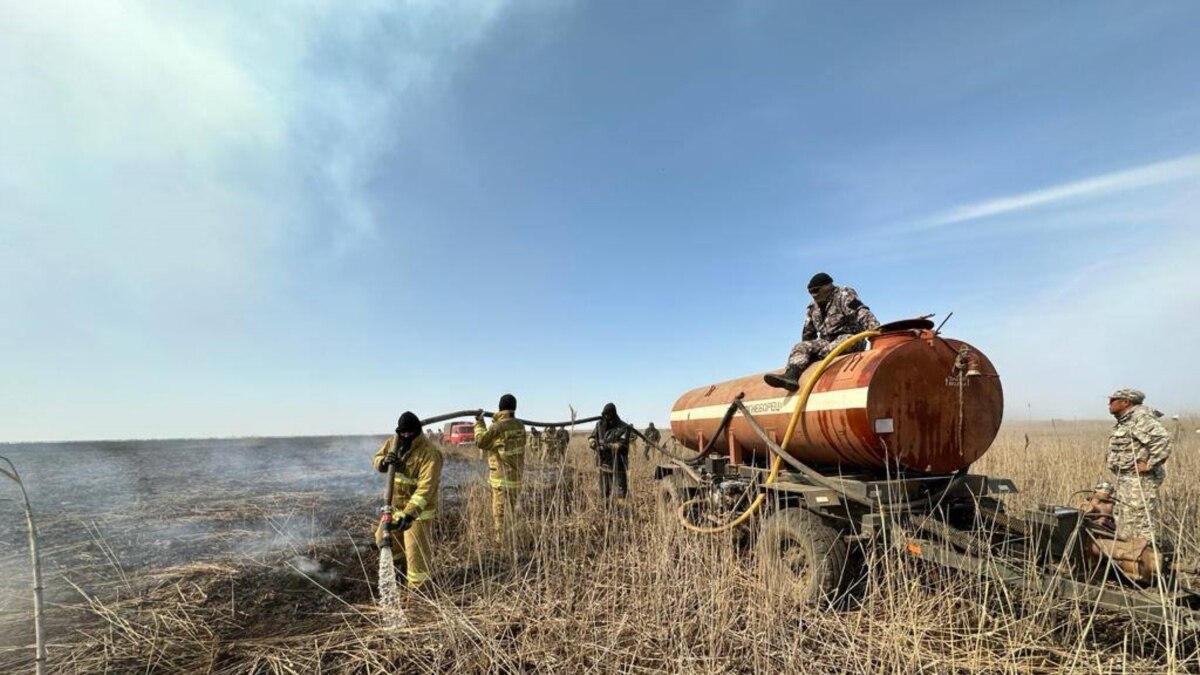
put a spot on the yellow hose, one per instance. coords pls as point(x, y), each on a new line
point(777, 463)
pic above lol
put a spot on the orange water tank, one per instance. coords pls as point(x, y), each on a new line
point(913, 400)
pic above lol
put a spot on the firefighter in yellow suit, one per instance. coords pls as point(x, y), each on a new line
point(418, 465)
point(504, 444)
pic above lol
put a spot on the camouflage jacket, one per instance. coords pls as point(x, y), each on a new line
point(843, 315)
point(1138, 437)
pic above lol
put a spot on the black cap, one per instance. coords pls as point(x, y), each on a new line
point(819, 279)
point(610, 410)
point(508, 402)
point(408, 424)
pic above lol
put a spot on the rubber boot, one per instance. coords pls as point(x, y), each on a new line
point(789, 379)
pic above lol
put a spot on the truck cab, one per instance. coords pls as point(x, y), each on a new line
point(460, 433)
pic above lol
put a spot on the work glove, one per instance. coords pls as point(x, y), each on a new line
point(592, 443)
point(478, 415)
point(388, 460)
point(402, 523)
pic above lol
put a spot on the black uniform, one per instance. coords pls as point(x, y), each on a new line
point(610, 440)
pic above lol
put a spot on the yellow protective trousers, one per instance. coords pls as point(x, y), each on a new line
point(504, 512)
point(418, 551)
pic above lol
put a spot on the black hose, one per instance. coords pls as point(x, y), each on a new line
point(708, 448)
point(471, 413)
point(712, 442)
point(681, 462)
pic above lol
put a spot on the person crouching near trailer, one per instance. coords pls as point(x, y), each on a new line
point(1099, 508)
point(418, 465)
point(1137, 448)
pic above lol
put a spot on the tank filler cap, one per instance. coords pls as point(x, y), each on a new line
point(920, 323)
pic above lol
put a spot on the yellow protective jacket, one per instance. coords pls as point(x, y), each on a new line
point(417, 477)
point(504, 444)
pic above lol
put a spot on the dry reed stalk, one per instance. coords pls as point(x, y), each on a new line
point(596, 589)
point(39, 630)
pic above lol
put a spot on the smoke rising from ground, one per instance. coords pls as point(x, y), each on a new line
point(113, 511)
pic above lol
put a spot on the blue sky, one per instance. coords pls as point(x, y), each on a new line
point(235, 218)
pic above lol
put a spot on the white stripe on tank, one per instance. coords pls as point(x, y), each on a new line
point(841, 399)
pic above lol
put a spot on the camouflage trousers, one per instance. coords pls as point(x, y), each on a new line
point(807, 352)
point(1136, 509)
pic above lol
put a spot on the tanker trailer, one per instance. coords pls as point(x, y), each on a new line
point(915, 402)
point(874, 451)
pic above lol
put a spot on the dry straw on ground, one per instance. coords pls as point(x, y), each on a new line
point(624, 590)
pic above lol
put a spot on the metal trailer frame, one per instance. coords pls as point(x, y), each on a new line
point(956, 521)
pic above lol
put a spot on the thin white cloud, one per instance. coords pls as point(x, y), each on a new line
point(1130, 179)
point(1119, 321)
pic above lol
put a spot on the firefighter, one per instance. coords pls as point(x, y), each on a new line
point(418, 465)
point(504, 445)
point(550, 449)
point(652, 434)
point(1137, 449)
point(535, 442)
point(610, 441)
point(834, 315)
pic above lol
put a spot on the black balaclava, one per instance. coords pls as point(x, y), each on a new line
point(408, 427)
point(508, 402)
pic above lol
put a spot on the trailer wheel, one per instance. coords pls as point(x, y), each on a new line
point(802, 557)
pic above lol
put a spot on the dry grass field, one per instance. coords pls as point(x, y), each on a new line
point(596, 590)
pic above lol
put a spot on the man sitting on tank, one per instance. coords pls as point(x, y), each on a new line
point(834, 315)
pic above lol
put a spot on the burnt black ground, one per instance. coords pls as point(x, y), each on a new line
point(113, 513)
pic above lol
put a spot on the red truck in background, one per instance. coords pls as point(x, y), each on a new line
point(459, 433)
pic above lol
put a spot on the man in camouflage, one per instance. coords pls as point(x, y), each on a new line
point(654, 436)
point(834, 315)
point(504, 445)
point(552, 444)
point(534, 442)
point(1137, 448)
